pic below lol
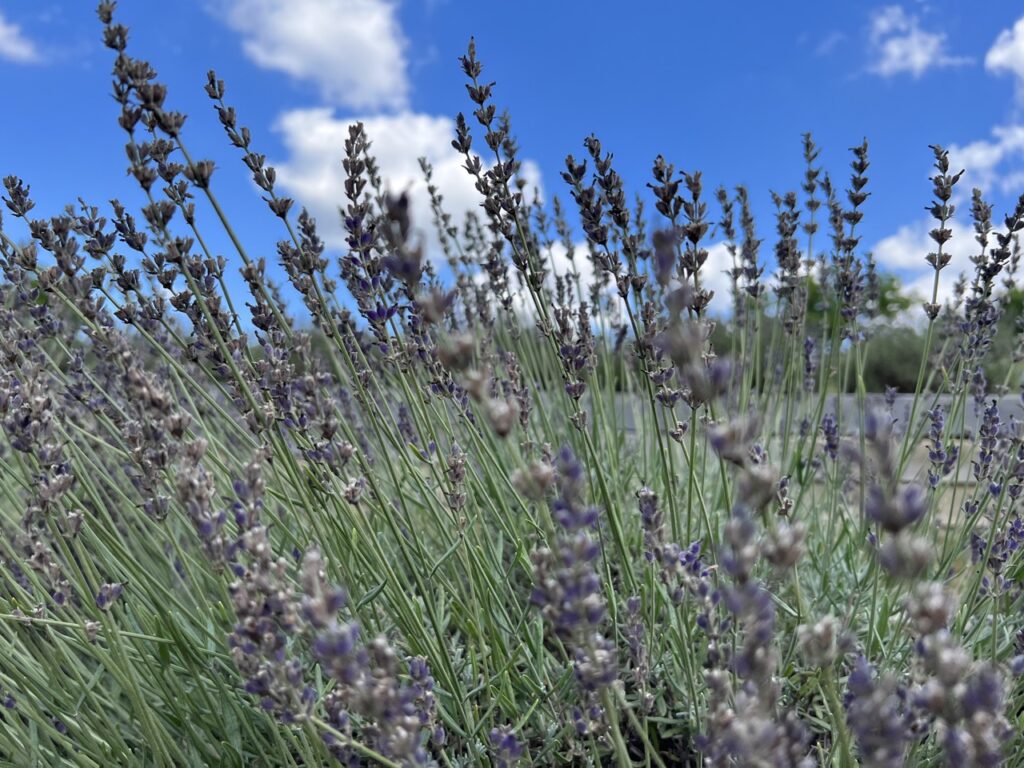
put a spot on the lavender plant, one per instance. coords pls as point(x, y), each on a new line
point(506, 516)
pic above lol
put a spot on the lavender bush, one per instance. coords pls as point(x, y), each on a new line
point(473, 507)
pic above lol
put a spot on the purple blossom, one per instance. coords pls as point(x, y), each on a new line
point(393, 717)
point(878, 715)
point(108, 595)
point(567, 587)
point(507, 750)
point(988, 434)
point(898, 510)
point(943, 459)
point(830, 431)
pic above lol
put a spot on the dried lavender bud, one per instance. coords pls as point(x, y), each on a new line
point(73, 523)
point(740, 732)
point(988, 434)
point(92, 629)
point(943, 460)
point(811, 363)
point(199, 173)
point(679, 431)
point(732, 441)
point(535, 481)
point(930, 608)
point(354, 489)
point(502, 416)
point(456, 472)
point(652, 522)
point(665, 243)
point(457, 350)
point(576, 344)
point(635, 633)
point(741, 536)
point(392, 716)
point(784, 545)
point(968, 705)
point(421, 684)
point(819, 643)
point(905, 556)
point(756, 485)
point(941, 210)
point(18, 201)
point(997, 552)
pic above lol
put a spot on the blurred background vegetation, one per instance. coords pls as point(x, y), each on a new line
point(894, 328)
point(893, 325)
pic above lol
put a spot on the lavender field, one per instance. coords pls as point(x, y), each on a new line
point(523, 488)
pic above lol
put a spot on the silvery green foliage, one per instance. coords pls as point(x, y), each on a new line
point(522, 492)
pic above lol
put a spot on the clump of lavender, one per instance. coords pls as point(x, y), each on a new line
point(964, 702)
point(169, 451)
point(879, 716)
point(568, 589)
point(368, 700)
point(744, 722)
point(890, 506)
point(995, 551)
point(575, 341)
point(264, 601)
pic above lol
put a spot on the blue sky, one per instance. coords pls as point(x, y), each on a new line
point(726, 89)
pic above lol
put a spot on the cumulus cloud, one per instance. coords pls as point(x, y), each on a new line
point(1007, 55)
point(904, 253)
point(14, 46)
point(713, 276)
point(898, 44)
point(313, 173)
point(354, 50)
point(992, 164)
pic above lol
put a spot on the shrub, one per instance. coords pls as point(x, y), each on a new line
point(508, 518)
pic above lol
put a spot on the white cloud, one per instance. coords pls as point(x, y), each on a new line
point(829, 43)
point(354, 50)
point(986, 161)
point(14, 46)
point(899, 45)
point(313, 173)
point(1007, 54)
point(904, 253)
point(714, 277)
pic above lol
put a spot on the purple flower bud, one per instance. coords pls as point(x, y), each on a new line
point(108, 595)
